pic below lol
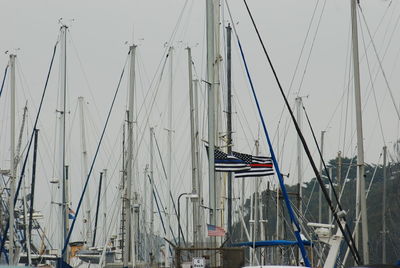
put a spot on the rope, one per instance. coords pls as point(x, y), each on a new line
point(300, 56)
point(380, 64)
point(373, 88)
point(170, 194)
point(30, 144)
point(4, 79)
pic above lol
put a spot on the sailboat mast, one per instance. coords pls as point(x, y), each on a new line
point(13, 170)
point(87, 215)
point(200, 212)
point(104, 207)
point(129, 243)
point(384, 204)
point(144, 215)
point(62, 111)
point(256, 207)
point(169, 158)
point(211, 113)
point(219, 190)
point(229, 118)
point(195, 202)
point(151, 195)
point(360, 142)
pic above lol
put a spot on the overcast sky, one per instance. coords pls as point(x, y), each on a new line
point(99, 35)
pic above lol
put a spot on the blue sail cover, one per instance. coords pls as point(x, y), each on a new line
point(268, 243)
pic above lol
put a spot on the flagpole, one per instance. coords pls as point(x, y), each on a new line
point(229, 120)
point(211, 115)
point(13, 171)
point(361, 200)
point(169, 158)
point(195, 202)
point(256, 205)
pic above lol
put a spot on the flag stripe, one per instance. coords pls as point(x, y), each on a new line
point(228, 163)
point(259, 165)
point(213, 230)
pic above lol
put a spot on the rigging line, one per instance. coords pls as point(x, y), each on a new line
point(347, 176)
point(330, 181)
point(357, 220)
point(312, 46)
point(86, 79)
point(246, 121)
point(162, 65)
point(380, 63)
point(4, 79)
point(373, 88)
point(156, 194)
point(309, 199)
point(298, 61)
point(387, 46)
point(23, 82)
point(166, 177)
point(30, 143)
point(71, 126)
point(346, 83)
point(94, 160)
point(146, 121)
point(324, 190)
point(347, 112)
point(155, 191)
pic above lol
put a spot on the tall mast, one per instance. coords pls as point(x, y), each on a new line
point(360, 142)
point(339, 172)
point(144, 215)
point(13, 171)
point(62, 111)
point(169, 157)
point(229, 118)
point(87, 215)
point(105, 207)
point(256, 207)
point(200, 212)
point(330, 218)
point(195, 201)
point(384, 205)
point(129, 248)
point(211, 113)
point(219, 190)
point(151, 194)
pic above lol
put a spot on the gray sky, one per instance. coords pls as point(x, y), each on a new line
point(97, 52)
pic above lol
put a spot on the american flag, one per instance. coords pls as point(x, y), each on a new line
point(228, 163)
point(213, 230)
point(259, 165)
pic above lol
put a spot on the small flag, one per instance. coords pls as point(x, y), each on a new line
point(228, 163)
point(71, 214)
point(215, 230)
point(259, 165)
